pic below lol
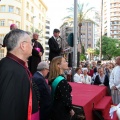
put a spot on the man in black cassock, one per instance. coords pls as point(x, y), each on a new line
point(37, 52)
point(16, 93)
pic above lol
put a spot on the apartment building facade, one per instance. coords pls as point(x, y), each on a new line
point(87, 34)
point(28, 15)
point(111, 18)
point(47, 36)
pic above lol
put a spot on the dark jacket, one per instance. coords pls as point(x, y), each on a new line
point(15, 89)
point(98, 82)
point(45, 96)
point(54, 48)
point(62, 103)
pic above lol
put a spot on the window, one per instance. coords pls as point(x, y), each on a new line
point(32, 9)
point(89, 29)
point(42, 27)
point(89, 34)
point(42, 19)
point(47, 48)
point(40, 6)
point(32, 19)
point(27, 5)
point(89, 24)
point(18, 11)
point(2, 22)
point(43, 10)
point(10, 9)
point(46, 37)
point(83, 24)
point(27, 16)
point(2, 8)
point(39, 16)
point(39, 25)
point(47, 32)
point(18, 24)
point(47, 27)
point(89, 45)
point(47, 21)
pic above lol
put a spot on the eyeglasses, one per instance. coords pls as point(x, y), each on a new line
point(29, 42)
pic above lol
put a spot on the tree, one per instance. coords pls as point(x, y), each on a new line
point(110, 47)
point(83, 11)
point(90, 52)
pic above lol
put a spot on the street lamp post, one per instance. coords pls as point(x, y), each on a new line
point(74, 65)
point(101, 30)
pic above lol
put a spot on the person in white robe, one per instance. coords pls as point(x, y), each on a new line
point(86, 79)
point(115, 82)
point(77, 76)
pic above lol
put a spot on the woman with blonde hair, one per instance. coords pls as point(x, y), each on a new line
point(61, 90)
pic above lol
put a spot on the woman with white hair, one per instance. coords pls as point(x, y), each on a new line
point(86, 79)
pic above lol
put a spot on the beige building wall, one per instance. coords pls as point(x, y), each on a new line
point(87, 36)
point(27, 14)
point(111, 18)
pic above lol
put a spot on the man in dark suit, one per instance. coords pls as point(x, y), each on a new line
point(43, 89)
point(54, 45)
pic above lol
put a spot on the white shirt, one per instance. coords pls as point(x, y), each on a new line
point(86, 79)
point(77, 78)
point(115, 78)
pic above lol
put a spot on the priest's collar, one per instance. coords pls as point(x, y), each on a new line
point(10, 55)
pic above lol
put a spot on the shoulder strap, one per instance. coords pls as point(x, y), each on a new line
point(55, 83)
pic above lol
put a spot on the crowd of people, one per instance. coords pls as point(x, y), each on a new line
point(26, 94)
point(101, 74)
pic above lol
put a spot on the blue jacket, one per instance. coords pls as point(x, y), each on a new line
point(45, 96)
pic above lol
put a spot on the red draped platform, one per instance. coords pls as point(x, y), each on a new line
point(89, 97)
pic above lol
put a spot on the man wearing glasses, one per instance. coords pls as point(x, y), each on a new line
point(16, 93)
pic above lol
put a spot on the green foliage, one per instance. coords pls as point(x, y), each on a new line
point(83, 12)
point(110, 47)
point(82, 57)
point(82, 15)
point(83, 50)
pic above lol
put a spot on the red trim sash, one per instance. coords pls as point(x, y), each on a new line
point(30, 105)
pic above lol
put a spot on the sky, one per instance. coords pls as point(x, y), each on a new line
point(57, 10)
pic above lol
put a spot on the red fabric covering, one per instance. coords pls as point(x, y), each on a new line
point(87, 96)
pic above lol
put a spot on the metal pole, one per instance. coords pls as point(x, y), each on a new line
point(101, 30)
point(75, 37)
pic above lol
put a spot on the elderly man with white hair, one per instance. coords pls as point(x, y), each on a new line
point(85, 78)
point(43, 89)
point(16, 92)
